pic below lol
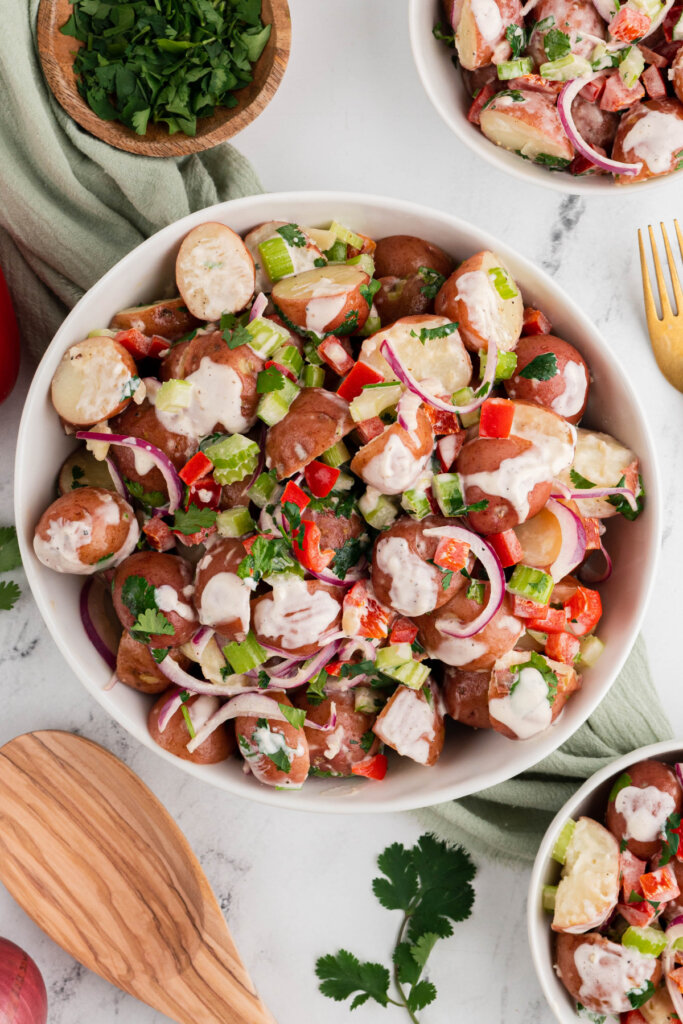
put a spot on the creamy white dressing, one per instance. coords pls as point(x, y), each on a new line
point(334, 742)
point(414, 587)
point(294, 614)
point(457, 651)
point(608, 974)
point(102, 380)
point(484, 306)
point(394, 469)
point(216, 397)
point(224, 598)
point(218, 275)
point(267, 742)
point(645, 812)
point(488, 19)
point(654, 138)
point(526, 711)
point(168, 600)
point(569, 401)
point(407, 725)
point(324, 305)
point(201, 710)
point(143, 461)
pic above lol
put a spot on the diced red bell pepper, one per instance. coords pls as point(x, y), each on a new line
point(403, 631)
point(592, 91)
point(369, 246)
point(320, 478)
point(293, 493)
point(363, 615)
point(660, 885)
point(554, 621)
point(592, 529)
point(141, 345)
point(652, 57)
point(633, 1017)
point(654, 83)
point(581, 165)
point(507, 547)
point(535, 322)
point(629, 24)
point(562, 647)
point(676, 976)
point(496, 417)
point(479, 102)
point(307, 547)
point(617, 96)
point(535, 83)
point(672, 18)
point(360, 375)
point(630, 474)
point(333, 668)
point(637, 914)
point(159, 534)
point(198, 467)
point(374, 768)
point(206, 493)
point(448, 449)
point(443, 422)
point(451, 554)
point(285, 370)
point(368, 430)
point(631, 868)
point(335, 355)
point(524, 608)
point(584, 610)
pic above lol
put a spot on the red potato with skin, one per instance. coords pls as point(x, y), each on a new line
point(220, 596)
point(337, 751)
point(478, 79)
point(576, 18)
point(174, 575)
point(660, 796)
point(217, 747)
point(498, 456)
point(530, 126)
point(136, 667)
point(677, 69)
point(599, 996)
point(443, 362)
point(532, 721)
point(335, 530)
point(595, 126)
point(214, 271)
point(326, 300)
point(392, 461)
point(656, 118)
point(412, 725)
point(169, 318)
point(480, 33)
point(254, 745)
point(82, 469)
point(603, 460)
point(86, 531)
point(303, 256)
point(306, 610)
point(566, 393)
point(541, 539)
point(142, 421)
point(466, 696)
point(316, 420)
point(470, 298)
point(401, 265)
point(476, 653)
point(93, 381)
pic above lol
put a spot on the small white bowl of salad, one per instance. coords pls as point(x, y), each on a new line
point(605, 909)
point(577, 95)
point(363, 515)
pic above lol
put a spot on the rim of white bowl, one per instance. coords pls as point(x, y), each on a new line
point(538, 920)
point(309, 799)
point(421, 43)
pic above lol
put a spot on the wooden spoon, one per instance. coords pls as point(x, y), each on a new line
point(92, 856)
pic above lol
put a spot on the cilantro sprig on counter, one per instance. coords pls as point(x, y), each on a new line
point(10, 559)
point(431, 884)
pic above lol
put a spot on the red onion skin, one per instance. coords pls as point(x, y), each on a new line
point(91, 631)
point(23, 998)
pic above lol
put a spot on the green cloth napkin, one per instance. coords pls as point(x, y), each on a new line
point(70, 205)
point(508, 821)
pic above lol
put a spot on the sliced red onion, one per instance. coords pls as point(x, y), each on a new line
point(588, 575)
point(560, 490)
point(564, 109)
point(679, 775)
point(406, 410)
point(529, 6)
point(489, 559)
point(162, 462)
point(201, 639)
point(258, 306)
point(573, 548)
point(447, 448)
point(353, 574)
point(117, 478)
point(597, 492)
point(282, 652)
point(358, 645)
point(169, 709)
point(674, 931)
point(309, 669)
point(185, 681)
point(253, 705)
point(282, 669)
point(406, 377)
point(93, 634)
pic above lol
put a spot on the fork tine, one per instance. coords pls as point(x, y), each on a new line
point(680, 237)
point(650, 310)
point(661, 283)
point(678, 294)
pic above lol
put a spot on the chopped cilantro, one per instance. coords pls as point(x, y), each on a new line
point(315, 694)
point(130, 387)
point(151, 499)
point(267, 556)
point(556, 44)
point(270, 379)
point(433, 281)
point(139, 597)
point(368, 291)
point(619, 502)
point(194, 519)
point(542, 367)
point(432, 333)
point(77, 474)
point(348, 555)
point(295, 716)
point(672, 839)
point(515, 94)
point(280, 758)
point(554, 163)
point(444, 34)
point(638, 996)
point(263, 679)
point(366, 740)
point(538, 662)
point(292, 235)
point(188, 721)
point(158, 653)
point(320, 261)
point(517, 38)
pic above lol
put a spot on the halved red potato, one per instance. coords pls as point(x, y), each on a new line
point(677, 71)
point(640, 803)
point(316, 420)
point(82, 469)
point(327, 300)
point(266, 744)
point(529, 125)
point(169, 318)
point(403, 574)
point(220, 596)
point(604, 461)
point(392, 461)
point(541, 539)
point(349, 743)
point(595, 126)
point(576, 18)
point(134, 464)
point(136, 667)
point(588, 891)
point(406, 266)
point(473, 653)
point(481, 27)
point(650, 133)
point(443, 363)
point(412, 724)
point(599, 974)
point(509, 474)
point(659, 1009)
point(522, 702)
point(176, 735)
point(94, 380)
point(297, 615)
point(566, 392)
point(466, 696)
point(85, 531)
point(471, 299)
point(171, 579)
point(303, 256)
point(214, 271)
point(335, 529)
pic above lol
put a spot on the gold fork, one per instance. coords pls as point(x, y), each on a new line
point(666, 334)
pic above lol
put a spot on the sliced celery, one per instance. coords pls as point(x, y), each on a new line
point(337, 252)
point(379, 510)
point(650, 941)
point(173, 396)
point(565, 68)
point(314, 376)
point(416, 503)
point(274, 405)
point(631, 67)
point(531, 583)
point(413, 674)
point(515, 68)
point(336, 456)
point(503, 283)
point(447, 489)
point(276, 258)
point(374, 399)
point(393, 655)
point(346, 235)
point(548, 897)
point(289, 356)
point(266, 336)
point(506, 364)
point(590, 649)
point(562, 842)
point(366, 701)
point(233, 457)
point(365, 262)
point(245, 656)
point(311, 352)
point(234, 522)
point(372, 324)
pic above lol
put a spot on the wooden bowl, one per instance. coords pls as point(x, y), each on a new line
point(57, 57)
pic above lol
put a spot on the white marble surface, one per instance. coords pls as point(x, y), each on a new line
point(351, 114)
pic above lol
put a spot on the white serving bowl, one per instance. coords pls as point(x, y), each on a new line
point(590, 800)
point(471, 761)
point(444, 85)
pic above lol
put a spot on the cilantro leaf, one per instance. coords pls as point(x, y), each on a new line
point(444, 34)
point(293, 235)
point(432, 333)
point(158, 653)
point(151, 622)
point(421, 995)
point(348, 555)
point(555, 163)
point(638, 996)
point(617, 500)
point(315, 694)
point(517, 38)
point(366, 740)
point(10, 592)
point(269, 380)
point(556, 44)
point(672, 839)
point(446, 894)
point(423, 947)
point(399, 888)
point(542, 367)
point(295, 716)
point(9, 548)
point(237, 337)
point(344, 974)
point(368, 291)
point(407, 968)
point(193, 519)
point(433, 281)
point(150, 499)
point(267, 556)
point(263, 679)
point(139, 597)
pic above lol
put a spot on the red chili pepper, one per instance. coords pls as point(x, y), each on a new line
point(206, 493)
point(359, 376)
point(333, 668)
point(403, 631)
point(368, 430)
point(660, 885)
point(320, 478)
point(496, 417)
point(9, 341)
point(443, 422)
point(159, 534)
point(293, 493)
point(307, 549)
point(197, 467)
point(562, 647)
point(374, 768)
point(584, 610)
point(507, 547)
point(282, 369)
point(535, 322)
point(335, 355)
point(451, 554)
point(479, 102)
